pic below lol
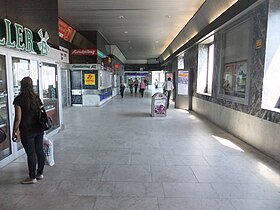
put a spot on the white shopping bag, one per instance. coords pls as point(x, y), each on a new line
point(48, 149)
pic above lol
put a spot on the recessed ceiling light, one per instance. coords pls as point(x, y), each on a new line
point(168, 16)
point(156, 41)
point(126, 32)
point(121, 17)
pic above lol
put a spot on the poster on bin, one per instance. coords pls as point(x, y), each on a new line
point(160, 106)
point(183, 82)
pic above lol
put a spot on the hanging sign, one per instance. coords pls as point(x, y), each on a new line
point(65, 31)
point(89, 79)
point(22, 38)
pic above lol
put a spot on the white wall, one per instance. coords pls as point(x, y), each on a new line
point(262, 134)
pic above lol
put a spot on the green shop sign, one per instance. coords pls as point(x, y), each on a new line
point(22, 38)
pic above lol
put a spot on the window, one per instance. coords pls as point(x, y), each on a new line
point(5, 146)
point(181, 62)
point(234, 63)
point(24, 68)
point(205, 66)
point(50, 92)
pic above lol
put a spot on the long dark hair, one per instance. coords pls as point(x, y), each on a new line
point(28, 94)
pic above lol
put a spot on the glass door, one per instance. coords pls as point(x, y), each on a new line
point(23, 68)
point(50, 93)
point(65, 88)
point(5, 146)
point(76, 87)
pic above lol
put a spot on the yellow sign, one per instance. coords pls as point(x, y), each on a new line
point(89, 79)
point(258, 44)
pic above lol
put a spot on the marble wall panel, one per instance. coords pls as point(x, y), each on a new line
point(259, 18)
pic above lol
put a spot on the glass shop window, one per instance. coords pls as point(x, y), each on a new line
point(205, 66)
point(234, 63)
point(50, 92)
point(5, 145)
point(23, 68)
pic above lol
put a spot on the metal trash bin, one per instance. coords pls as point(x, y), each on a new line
point(159, 104)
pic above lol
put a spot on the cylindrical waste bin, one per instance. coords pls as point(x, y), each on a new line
point(159, 104)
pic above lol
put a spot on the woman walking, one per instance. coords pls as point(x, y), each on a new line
point(27, 105)
point(142, 87)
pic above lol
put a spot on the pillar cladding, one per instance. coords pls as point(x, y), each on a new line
point(33, 14)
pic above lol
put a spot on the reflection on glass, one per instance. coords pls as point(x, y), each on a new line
point(50, 96)
point(5, 147)
point(23, 68)
point(235, 55)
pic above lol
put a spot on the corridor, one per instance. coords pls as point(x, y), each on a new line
point(119, 157)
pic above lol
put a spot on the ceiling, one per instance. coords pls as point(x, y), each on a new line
point(141, 29)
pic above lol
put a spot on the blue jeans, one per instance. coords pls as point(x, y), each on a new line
point(33, 146)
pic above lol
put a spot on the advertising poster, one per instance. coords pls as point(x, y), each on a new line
point(183, 82)
point(160, 106)
point(89, 79)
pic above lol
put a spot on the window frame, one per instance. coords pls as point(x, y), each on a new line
point(222, 63)
point(208, 44)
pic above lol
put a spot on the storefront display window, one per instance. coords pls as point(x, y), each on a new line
point(234, 63)
point(205, 66)
point(5, 146)
point(50, 92)
point(23, 68)
point(105, 79)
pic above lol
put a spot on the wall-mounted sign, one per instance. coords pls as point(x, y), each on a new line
point(84, 52)
point(183, 82)
point(64, 54)
point(89, 79)
point(116, 66)
point(85, 66)
point(101, 54)
point(65, 31)
point(22, 38)
point(258, 44)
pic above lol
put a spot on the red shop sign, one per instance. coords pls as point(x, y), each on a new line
point(82, 52)
point(65, 31)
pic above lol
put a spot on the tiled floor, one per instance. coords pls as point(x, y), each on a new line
point(118, 157)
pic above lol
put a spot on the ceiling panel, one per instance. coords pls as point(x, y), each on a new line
point(141, 29)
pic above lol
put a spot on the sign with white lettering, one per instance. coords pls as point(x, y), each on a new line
point(64, 52)
point(85, 66)
point(83, 52)
point(22, 38)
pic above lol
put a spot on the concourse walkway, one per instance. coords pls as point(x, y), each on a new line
point(118, 157)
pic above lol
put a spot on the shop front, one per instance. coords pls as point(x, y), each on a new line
point(21, 56)
point(91, 84)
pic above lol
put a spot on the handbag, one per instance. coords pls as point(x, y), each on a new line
point(44, 120)
point(3, 136)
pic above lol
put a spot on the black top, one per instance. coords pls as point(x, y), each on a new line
point(29, 123)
